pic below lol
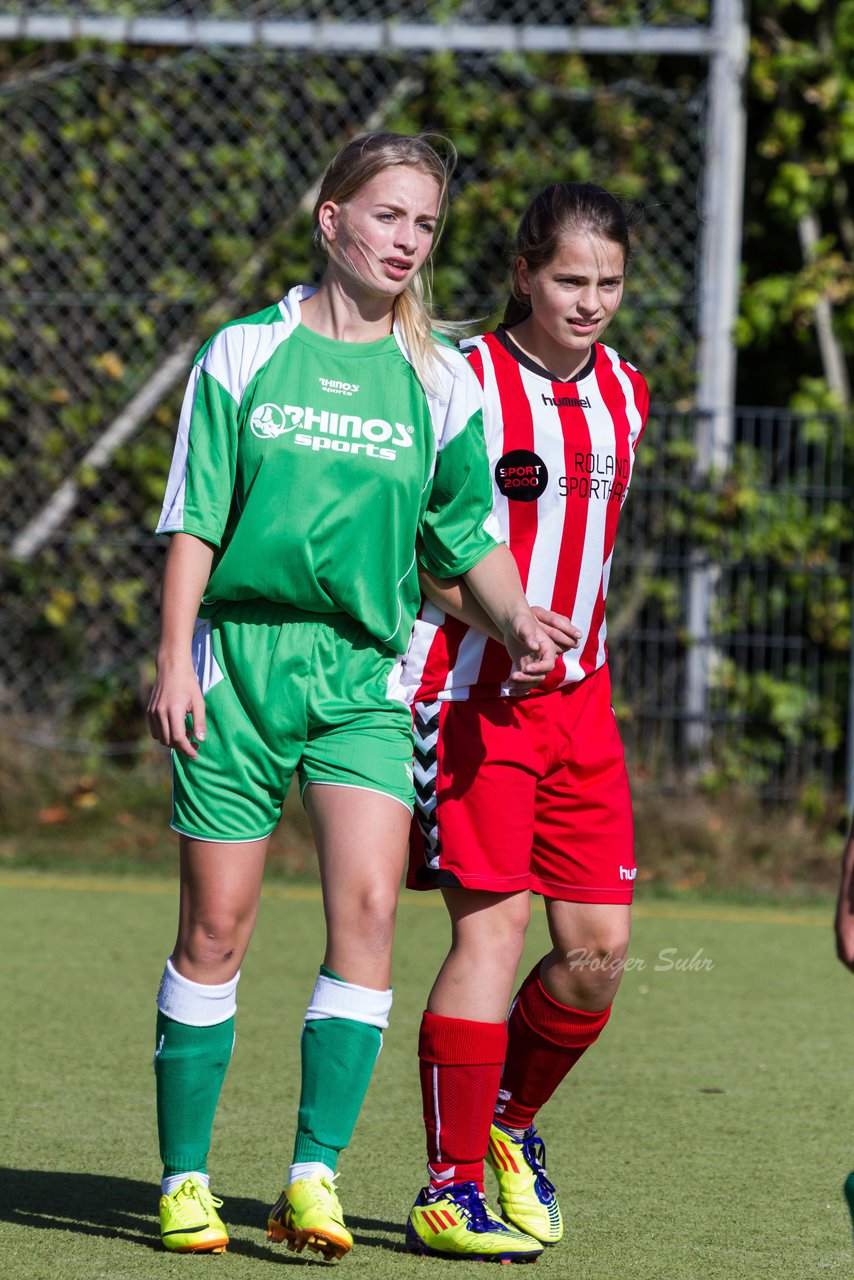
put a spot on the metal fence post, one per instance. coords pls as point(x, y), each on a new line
point(723, 187)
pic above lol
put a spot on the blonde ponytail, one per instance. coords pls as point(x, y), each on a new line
point(413, 315)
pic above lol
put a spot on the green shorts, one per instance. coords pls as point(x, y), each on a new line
point(285, 691)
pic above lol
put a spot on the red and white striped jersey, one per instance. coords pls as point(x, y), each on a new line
point(561, 455)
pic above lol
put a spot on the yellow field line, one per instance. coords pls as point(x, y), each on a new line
point(311, 893)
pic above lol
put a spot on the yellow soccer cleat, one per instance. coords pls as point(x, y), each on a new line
point(459, 1224)
point(525, 1195)
point(308, 1215)
point(189, 1222)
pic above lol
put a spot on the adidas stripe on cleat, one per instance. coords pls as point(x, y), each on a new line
point(189, 1222)
point(525, 1195)
point(308, 1215)
point(458, 1224)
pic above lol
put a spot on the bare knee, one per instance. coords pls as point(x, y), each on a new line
point(213, 938)
point(370, 918)
point(585, 970)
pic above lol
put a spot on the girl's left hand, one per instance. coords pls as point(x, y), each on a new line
point(558, 628)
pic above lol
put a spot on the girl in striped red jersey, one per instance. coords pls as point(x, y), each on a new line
point(521, 794)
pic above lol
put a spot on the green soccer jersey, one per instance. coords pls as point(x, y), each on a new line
point(316, 467)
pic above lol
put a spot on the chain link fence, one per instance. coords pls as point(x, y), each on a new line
point(152, 193)
point(773, 527)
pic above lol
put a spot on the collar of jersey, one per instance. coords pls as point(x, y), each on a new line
point(504, 339)
point(290, 308)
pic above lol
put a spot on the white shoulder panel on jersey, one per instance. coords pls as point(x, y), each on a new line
point(237, 352)
point(172, 513)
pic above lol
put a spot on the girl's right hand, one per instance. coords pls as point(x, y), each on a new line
point(175, 696)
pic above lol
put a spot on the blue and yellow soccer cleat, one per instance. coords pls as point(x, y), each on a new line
point(525, 1195)
point(308, 1215)
point(459, 1224)
point(189, 1222)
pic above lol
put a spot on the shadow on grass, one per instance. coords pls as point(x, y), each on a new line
point(91, 1204)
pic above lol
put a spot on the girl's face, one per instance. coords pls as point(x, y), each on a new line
point(574, 296)
point(385, 232)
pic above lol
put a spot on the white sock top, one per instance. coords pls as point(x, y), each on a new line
point(196, 1004)
point(170, 1184)
point(308, 1169)
point(333, 998)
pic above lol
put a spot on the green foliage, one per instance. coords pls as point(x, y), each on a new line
point(773, 533)
point(798, 548)
point(800, 157)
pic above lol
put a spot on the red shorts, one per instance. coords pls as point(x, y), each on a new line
point(524, 793)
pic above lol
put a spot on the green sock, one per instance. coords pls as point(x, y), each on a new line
point(189, 1066)
point(338, 1058)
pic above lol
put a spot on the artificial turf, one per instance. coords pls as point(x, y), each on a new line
point(707, 1134)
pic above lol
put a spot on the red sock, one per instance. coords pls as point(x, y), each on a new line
point(460, 1072)
point(546, 1039)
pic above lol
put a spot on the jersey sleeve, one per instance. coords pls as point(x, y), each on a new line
point(459, 527)
point(641, 391)
point(201, 478)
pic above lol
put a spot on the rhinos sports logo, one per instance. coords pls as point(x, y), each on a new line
point(338, 432)
point(271, 420)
